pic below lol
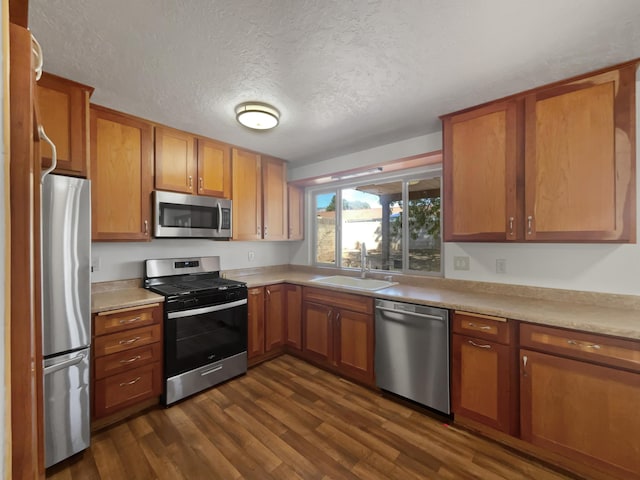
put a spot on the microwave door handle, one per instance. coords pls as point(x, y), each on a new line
point(219, 217)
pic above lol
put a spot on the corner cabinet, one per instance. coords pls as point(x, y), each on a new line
point(338, 332)
point(259, 194)
point(121, 174)
point(553, 164)
point(64, 112)
point(296, 212)
point(274, 321)
point(580, 395)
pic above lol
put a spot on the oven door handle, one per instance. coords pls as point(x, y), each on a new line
point(199, 311)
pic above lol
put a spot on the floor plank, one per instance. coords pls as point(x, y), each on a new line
point(287, 419)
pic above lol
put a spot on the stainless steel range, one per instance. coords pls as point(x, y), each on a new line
point(205, 324)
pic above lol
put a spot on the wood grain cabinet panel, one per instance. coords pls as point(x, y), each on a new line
point(553, 164)
point(214, 168)
point(246, 174)
point(275, 318)
point(64, 112)
point(484, 374)
point(274, 321)
point(354, 344)
point(317, 327)
point(338, 332)
point(175, 160)
point(275, 201)
point(116, 392)
point(293, 314)
point(584, 411)
point(480, 158)
point(127, 361)
point(580, 169)
point(121, 166)
point(259, 194)
point(255, 309)
point(296, 213)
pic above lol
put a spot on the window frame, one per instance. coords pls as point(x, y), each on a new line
point(336, 188)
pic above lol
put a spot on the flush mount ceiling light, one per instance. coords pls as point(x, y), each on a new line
point(258, 116)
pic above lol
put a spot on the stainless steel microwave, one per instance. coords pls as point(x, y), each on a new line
point(177, 215)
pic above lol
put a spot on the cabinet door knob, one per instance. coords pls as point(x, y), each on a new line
point(525, 359)
point(529, 225)
point(190, 182)
point(200, 183)
point(511, 226)
point(146, 227)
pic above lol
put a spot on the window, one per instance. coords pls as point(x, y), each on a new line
point(397, 219)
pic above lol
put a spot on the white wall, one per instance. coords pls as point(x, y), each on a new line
point(384, 153)
point(119, 261)
point(590, 267)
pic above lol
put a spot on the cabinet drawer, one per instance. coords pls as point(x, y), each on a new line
point(596, 348)
point(126, 360)
point(124, 319)
point(125, 389)
point(118, 342)
point(496, 329)
point(357, 303)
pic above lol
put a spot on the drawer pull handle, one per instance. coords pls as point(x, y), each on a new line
point(135, 380)
point(131, 360)
point(595, 346)
point(471, 342)
point(131, 320)
point(129, 342)
point(479, 327)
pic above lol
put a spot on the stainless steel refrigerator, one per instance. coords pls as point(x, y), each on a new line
point(66, 314)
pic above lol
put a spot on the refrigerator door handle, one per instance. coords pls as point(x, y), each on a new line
point(64, 364)
point(54, 152)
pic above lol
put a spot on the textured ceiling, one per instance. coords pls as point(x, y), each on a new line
point(346, 75)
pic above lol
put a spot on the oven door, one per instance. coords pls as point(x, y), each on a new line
point(204, 335)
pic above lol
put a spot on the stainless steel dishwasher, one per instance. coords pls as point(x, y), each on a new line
point(412, 352)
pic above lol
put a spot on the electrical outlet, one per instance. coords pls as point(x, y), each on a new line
point(461, 263)
point(95, 264)
point(501, 265)
point(251, 255)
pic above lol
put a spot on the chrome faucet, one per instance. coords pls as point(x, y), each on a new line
point(363, 260)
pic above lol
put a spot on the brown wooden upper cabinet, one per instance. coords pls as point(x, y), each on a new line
point(259, 197)
point(296, 213)
point(121, 166)
point(553, 164)
point(189, 164)
point(64, 112)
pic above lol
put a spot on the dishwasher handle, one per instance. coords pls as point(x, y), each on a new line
point(413, 314)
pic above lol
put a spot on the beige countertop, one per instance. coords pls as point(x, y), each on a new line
point(121, 294)
point(617, 315)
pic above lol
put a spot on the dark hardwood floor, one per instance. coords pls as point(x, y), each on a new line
point(289, 420)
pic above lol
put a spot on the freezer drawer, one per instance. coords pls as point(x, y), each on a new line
point(66, 407)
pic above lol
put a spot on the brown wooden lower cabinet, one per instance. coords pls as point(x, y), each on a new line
point(127, 360)
point(274, 320)
point(579, 397)
point(339, 338)
point(484, 381)
point(293, 315)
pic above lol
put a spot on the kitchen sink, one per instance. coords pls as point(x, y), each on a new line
point(370, 284)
